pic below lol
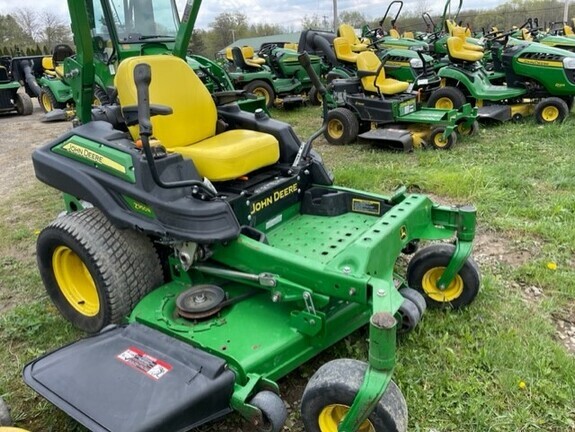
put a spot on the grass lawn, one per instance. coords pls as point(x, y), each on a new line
point(499, 365)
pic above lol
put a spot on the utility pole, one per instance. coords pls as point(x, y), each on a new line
point(233, 35)
point(565, 11)
point(335, 15)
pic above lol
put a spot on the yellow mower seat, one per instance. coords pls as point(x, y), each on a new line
point(568, 31)
point(346, 31)
point(191, 129)
point(291, 46)
point(394, 33)
point(457, 50)
point(526, 35)
point(343, 51)
point(408, 35)
point(248, 53)
point(461, 33)
point(369, 62)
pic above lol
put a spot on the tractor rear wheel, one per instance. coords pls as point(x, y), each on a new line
point(262, 88)
point(330, 393)
point(23, 104)
point(94, 272)
point(342, 126)
point(446, 98)
point(48, 101)
point(427, 266)
point(551, 110)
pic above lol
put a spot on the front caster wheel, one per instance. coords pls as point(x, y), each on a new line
point(427, 266)
point(273, 410)
point(438, 142)
point(330, 393)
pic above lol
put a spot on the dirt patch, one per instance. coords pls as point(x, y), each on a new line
point(493, 249)
point(20, 136)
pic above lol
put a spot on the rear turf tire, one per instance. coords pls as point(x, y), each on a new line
point(48, 101)
point(262, 88)
point(23, 104)
point(446, 98)
point(94, 272)
point(342, 126)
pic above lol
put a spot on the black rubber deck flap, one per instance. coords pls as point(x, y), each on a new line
point(133, 379)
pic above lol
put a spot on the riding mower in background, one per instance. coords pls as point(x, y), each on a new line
point(370, 97)
point(10, 98)
point(274, 74)
point(392, 39)
point(404, 65)
point(533, 33)
point(539, 80)
point(207, 266)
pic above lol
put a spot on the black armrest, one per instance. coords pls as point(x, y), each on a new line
point(363, 74)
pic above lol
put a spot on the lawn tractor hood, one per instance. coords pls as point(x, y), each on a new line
point(135, 379)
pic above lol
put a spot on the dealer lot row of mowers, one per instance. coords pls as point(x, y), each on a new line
point(206, 266)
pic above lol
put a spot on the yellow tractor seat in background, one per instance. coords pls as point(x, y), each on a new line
point(457, 51)
point(291, 46)
point(346, 31)
point(343, 51)
point(191, 129)
point(394, 33)
point(248, 53)
point(461, 33)
point(567, 30)
point(526, 35)
point(408, 35)
point(368, 61)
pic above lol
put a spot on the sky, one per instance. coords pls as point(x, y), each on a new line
point(286, 13)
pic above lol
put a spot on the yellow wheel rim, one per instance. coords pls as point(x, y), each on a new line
point(464, 129)
point(444, 103)
point(439, 141)
point(335, 128)
point(75, 281)
point(429, 285)
point(550, 113)
point(260, 91)
point(332, 415)
point(47, 102)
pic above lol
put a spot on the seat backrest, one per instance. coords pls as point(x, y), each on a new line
point(61, 52)
point(459, 32)
point(343, 51)
point(409, 35)
point(456, 51)
point(291, 46)
point(394, 33)
point(4, 75)
point(368, 61)
point(176, 85)
point(526, 35)
point(248, 52)
point(346, 31)
point(229, 54)
point(47, 63)
point(567, 30)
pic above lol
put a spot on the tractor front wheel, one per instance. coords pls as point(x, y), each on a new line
point(342, 126)
point(330, 393)
point(23, 104)
point(94, 272)
point(438, 142)
point(428, 265)
point(262, 88)
point(551, 110)
point(446, 98)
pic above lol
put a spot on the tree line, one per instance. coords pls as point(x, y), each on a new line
point(27, 31)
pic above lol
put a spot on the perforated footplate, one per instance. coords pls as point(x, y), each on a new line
point(320, 238)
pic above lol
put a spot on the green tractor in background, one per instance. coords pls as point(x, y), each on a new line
point(274, 74)
point(209, 253)
point(533, 33)
point(11, 99)
point(538, 79)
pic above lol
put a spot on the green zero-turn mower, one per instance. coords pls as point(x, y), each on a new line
point(274, 74)
point(118, 31)
point(12, 100)
point(409, 65)
point(372, 98)
point(208, 265)
point(539, 80)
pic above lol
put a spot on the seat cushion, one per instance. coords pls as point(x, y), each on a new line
point(388, 86)
point(232, 154)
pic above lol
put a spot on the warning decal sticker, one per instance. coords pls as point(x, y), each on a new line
point(365, 206)
point(145, 363)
